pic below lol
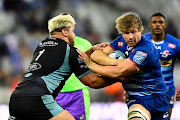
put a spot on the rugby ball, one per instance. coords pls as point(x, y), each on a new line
point(117, 55)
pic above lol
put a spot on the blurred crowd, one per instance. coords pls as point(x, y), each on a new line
point(23, 26)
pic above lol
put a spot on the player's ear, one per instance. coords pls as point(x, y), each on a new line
point(64, 32)
point(149, 24)
point(165, 25)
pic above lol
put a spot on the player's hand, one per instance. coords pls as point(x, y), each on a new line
point(178, 95)
point(84, 57)
point(100, 46)
point(124, 97)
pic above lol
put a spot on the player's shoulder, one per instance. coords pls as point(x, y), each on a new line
point(148, 35)
point(120, 38)
point(145, 45)
point(52, 42)
point(172, 39)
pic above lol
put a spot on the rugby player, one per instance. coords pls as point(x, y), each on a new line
point(54, 60)
point(140, 73)
point(169, 49)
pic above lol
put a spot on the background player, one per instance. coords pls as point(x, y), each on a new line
point(169, 49)
point(144, 85)
point(74, 95)
point(54, 60)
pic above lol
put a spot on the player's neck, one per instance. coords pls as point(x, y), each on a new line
point(159, 37)
point(60, 37)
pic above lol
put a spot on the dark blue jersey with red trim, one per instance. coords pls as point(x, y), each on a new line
point(148, 81)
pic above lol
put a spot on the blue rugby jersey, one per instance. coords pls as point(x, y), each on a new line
point(148, 82)
point(169, 50)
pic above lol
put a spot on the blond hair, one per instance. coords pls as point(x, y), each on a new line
point(128, 21)
point(62, 21)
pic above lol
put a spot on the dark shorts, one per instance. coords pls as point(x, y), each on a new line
point(158, 106)
point(33, 107)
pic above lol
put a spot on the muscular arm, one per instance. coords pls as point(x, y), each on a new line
point(123, 69)
point(101, 57)
point(95, 81)
point(96, 47)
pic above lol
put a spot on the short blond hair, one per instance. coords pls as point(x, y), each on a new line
point(62, 21)
point(128, 21)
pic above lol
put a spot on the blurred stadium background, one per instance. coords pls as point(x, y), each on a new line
point(23, 24)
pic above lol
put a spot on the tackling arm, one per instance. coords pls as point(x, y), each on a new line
point(101, 57)
point(96, 47)
point(95, 81)
point(123, 69)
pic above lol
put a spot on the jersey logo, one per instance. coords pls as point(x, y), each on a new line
point(80, 61)
point(171, 45)
point(34, 66)
point(165, 63)
point(12, 118)
point(82, 116)
point(139, 57)
point(158, 47)
point(120, 44)
point(165, 53)
point(48, 43)
point(166, 115)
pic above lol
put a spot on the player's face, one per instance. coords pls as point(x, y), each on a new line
point(71, 35)
point(132, 36)
point(157, 24)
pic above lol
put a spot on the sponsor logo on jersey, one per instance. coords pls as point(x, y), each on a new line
point(166, 115)
point(171, 45)
point(83, 66)
point(82, 116)
point(139, 57)
point(12, 118)
point(80, 61)
point(158, 47)
point(120, 44)
point(165, 53)
point(34, 66)
point(165, 63)
point(48, 43)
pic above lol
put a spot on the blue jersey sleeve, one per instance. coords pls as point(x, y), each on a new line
point(143, 57)
point(139, 58)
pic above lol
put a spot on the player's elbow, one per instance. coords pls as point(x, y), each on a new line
point(95, 84)
point(95, 56)
point(92, 81)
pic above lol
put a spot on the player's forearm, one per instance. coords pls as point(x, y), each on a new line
point(103, 82)
point(106, 71)
point(102, 58)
